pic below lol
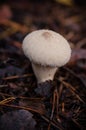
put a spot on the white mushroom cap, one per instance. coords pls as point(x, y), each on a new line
point(47, 48)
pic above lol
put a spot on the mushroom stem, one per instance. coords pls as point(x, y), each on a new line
point(43, 73)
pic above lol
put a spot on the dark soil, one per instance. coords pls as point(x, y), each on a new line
point(63, 105)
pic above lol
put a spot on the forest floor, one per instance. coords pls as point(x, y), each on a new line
point(20, 107)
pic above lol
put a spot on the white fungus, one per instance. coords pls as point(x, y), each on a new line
point(47, 50)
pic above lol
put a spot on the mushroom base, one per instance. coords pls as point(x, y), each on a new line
point(44, 73)
point(44, 89)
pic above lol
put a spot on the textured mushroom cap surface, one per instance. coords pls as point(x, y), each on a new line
point(46, 47)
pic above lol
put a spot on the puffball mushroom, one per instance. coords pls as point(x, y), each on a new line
point(47, 50)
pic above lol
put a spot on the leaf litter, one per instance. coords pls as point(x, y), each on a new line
point(20, 106)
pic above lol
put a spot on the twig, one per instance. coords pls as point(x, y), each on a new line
point(57, 125)
point(17, 76)
point(72, 89)
point(73, 73)
point(7, 100)
point(76, 123)
point(22, 107)
point(53, 108)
